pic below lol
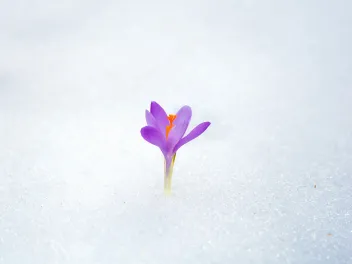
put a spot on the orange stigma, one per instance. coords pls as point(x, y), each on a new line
point(171, 125)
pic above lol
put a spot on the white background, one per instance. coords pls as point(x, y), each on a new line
point(78, 184)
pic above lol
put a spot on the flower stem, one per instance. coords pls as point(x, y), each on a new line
point(169, 166)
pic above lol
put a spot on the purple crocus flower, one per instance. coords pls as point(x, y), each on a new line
point(167, 132)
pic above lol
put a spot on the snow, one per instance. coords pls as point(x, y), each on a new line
point(268, 182)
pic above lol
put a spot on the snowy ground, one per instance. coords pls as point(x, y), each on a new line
point(269, 181)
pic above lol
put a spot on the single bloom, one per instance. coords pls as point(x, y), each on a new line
point(168, 133)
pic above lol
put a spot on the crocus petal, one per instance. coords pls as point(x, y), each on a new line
point(160, 116)
point(183, 117)
point(153, 136)
point(150, 119)
point(197, 131)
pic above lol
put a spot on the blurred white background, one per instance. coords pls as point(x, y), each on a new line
point(269, 181)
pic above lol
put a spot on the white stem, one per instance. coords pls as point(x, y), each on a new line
point(169, 166)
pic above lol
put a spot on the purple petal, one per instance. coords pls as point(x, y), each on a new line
point(150, 119)
point(160, 116)
point(183, 117)
point(197, 131)
point(153, 136)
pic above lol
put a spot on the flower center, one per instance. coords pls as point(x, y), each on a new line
point(171, 125)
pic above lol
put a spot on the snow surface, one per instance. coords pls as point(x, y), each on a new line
point(269, 181)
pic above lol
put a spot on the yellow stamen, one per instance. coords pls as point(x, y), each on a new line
point(171, 125)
